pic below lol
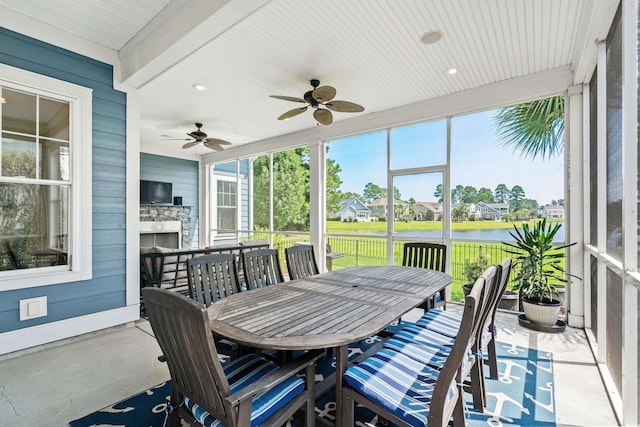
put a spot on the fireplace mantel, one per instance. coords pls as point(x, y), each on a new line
point(170, 213)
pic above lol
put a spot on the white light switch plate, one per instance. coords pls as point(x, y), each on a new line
point(33, 307)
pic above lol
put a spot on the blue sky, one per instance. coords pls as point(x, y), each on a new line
point(476, 159)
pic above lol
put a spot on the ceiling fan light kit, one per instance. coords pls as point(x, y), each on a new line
point(320, 98)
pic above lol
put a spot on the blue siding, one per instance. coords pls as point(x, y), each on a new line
point(183, 174)
point(107, 288)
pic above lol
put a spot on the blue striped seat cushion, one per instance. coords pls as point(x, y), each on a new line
point(242, 372)
point(397, 383)
point(444, 323)
point(441, 321)
point(423, 345)
point(225, 345)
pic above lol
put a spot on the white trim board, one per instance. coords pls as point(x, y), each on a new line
point(21, 339)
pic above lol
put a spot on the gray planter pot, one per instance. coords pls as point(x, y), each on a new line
point(545, 314)
point(509, 301)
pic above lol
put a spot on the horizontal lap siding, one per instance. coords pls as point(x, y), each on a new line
point(107, 288)
point(182, 174)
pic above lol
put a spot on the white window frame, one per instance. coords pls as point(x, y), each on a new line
point(213, 194)
point(80, 147)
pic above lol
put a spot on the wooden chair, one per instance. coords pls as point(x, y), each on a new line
point(249, 391)
point(432, 256)
point(301, 261)
point(448, 324)
point(417, 392)
point(212, 277)
point(490, 344)
point(261, 268)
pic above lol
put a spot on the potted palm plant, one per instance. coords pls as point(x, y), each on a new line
point(539, 270)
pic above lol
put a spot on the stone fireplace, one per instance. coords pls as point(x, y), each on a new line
point(166, 226)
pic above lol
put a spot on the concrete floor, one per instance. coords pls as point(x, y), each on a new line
point(54, 384)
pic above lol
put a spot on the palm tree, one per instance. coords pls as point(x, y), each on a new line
point(534, 128)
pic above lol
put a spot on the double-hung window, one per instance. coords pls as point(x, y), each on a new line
point(45, 180)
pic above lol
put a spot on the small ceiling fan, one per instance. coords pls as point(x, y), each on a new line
point(199, 136)
point(320, 98)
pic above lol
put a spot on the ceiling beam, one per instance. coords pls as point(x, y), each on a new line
point(181, 29)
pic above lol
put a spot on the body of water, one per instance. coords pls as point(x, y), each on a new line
point(483, 235)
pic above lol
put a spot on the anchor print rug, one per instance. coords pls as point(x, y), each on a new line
point(522, 396)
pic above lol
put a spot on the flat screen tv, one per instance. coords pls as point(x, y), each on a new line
point(155, 193)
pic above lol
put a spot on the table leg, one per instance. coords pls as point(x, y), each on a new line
point(342, 358)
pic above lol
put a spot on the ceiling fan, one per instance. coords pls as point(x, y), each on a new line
point(199, 136)
point(320, 98)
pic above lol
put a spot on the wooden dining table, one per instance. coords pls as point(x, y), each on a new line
point(324, 311)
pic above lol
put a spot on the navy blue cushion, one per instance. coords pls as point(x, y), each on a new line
point(397, 383)
point(242, 372)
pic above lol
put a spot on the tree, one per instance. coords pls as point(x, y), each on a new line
point(485, 195)
point(438, 193)
point(561, 202)
point(372, 192)
point(333, 182)
point(469, 194)
point(534, 128)
point(396, 193)
point(554, 203)
point(290, 191)
point(501, 193)
point(456, 194)
point(460, 213)
point(515, 196)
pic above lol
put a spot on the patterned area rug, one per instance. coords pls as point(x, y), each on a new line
point(522, 396)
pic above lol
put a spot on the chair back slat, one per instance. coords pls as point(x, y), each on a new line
point(301, 261)
point(181, 326)
point(432, 256)
point(442, 406)
point(212, 277)
point(261, 268)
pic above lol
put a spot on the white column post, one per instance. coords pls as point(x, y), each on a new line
point(317, 201)
point(575, 200)
point(630, 210)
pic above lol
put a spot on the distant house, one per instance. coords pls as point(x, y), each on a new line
point(352, 209)
point(422, 209)
point(552, 211)
point(491, 211)
point(379, 208)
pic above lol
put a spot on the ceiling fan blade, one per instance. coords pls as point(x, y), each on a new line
point(217, 141)
point(344, 106)
point(288, 98)
point(190, 144)
point(323, 116)
point(177, 139)
point(214, 146)
point(324, 93)
point(292, 113)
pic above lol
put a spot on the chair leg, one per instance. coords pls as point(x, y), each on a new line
point(492, 359)
point(477, 386)
point(458, 411)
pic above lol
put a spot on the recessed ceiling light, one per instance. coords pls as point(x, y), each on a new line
point(451, 71)
point(199, 86)
point(3, 101)
point(431, 37)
